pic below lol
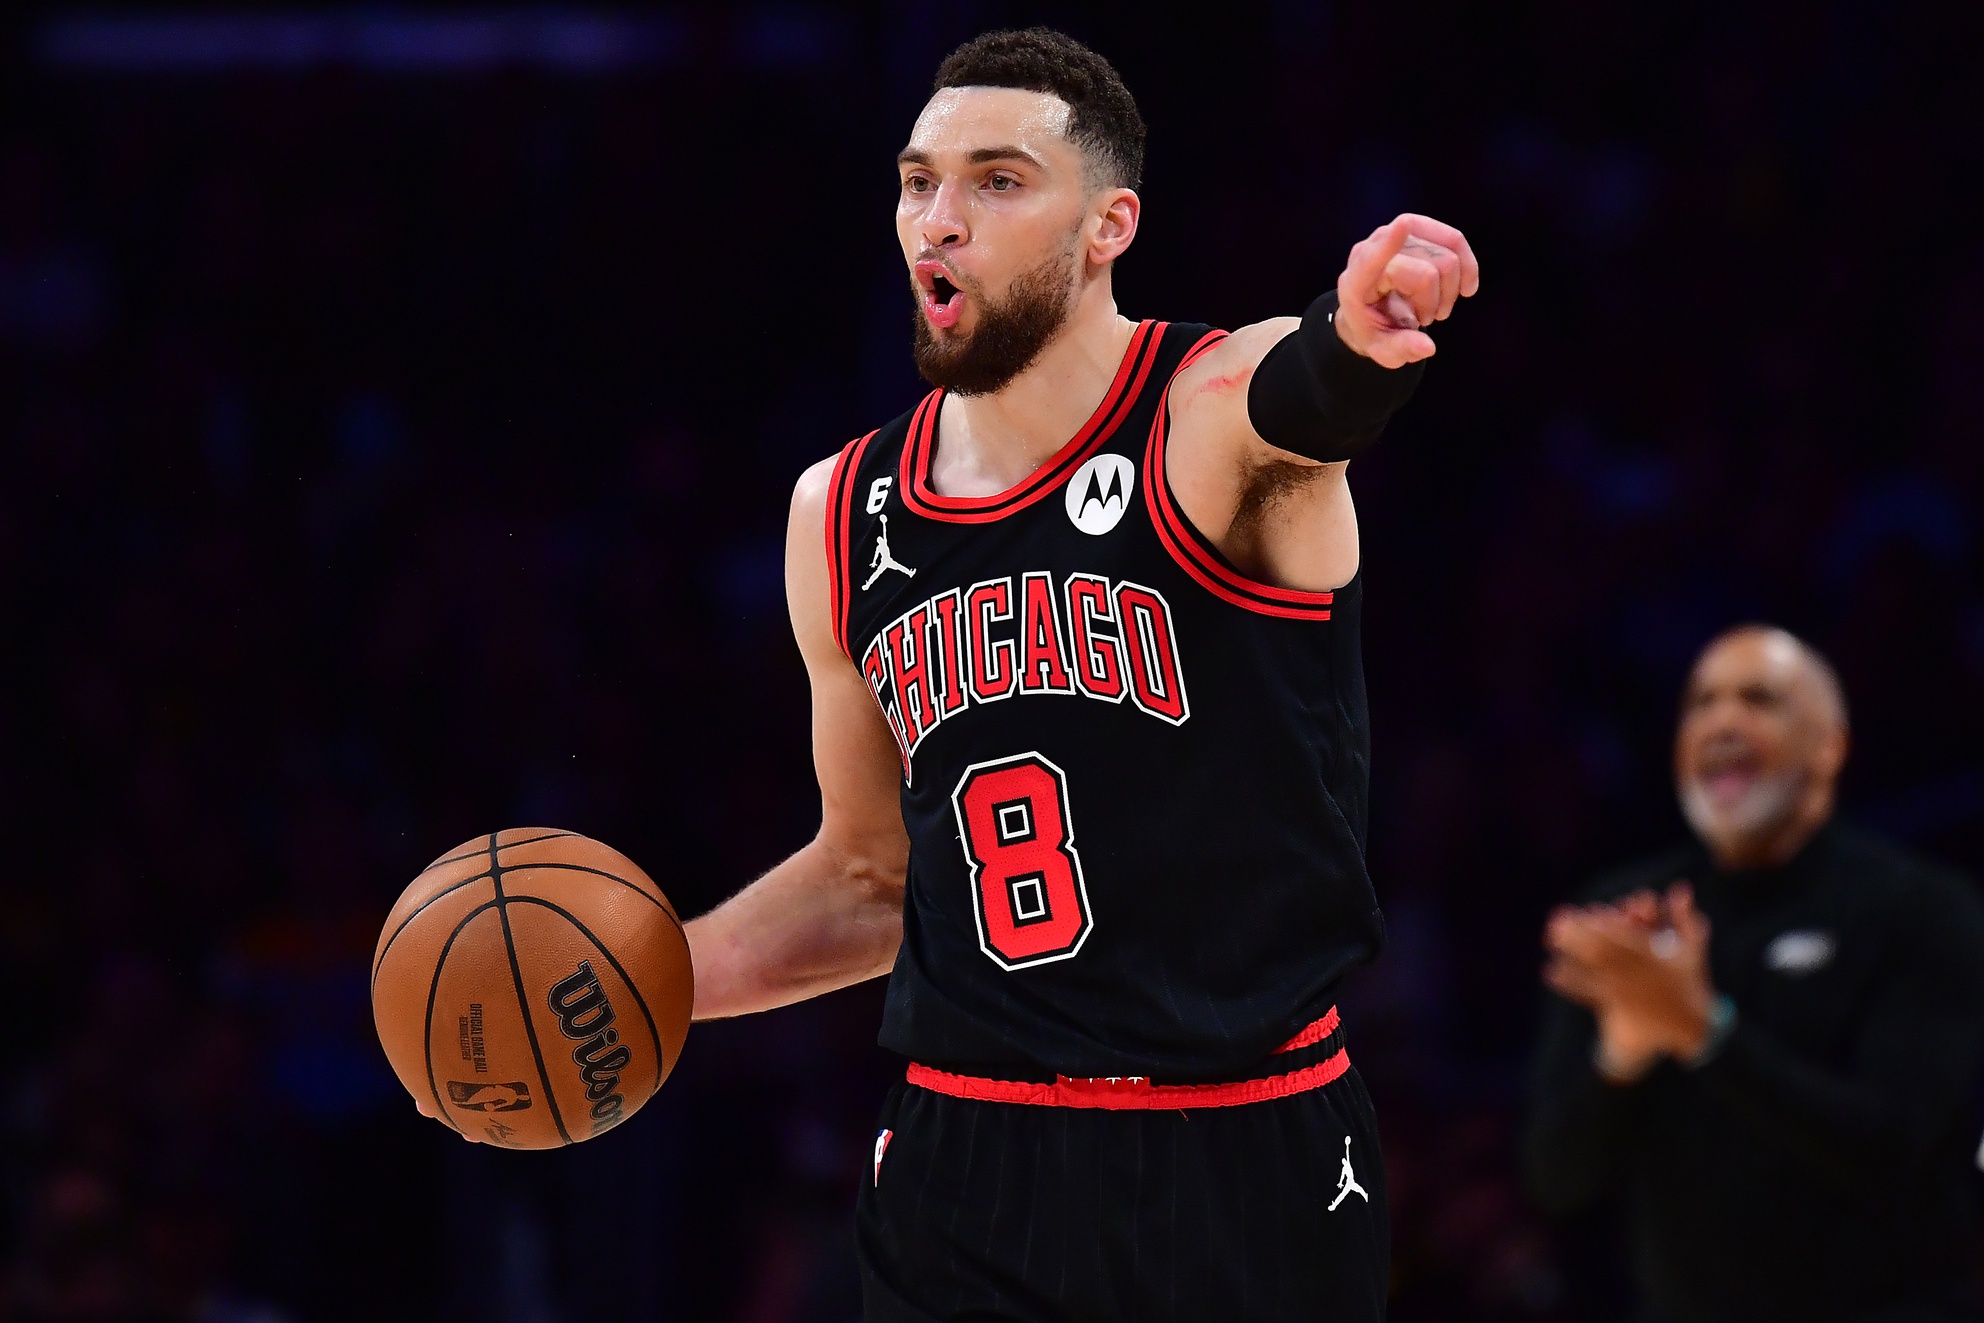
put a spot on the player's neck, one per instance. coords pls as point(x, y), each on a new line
point(989, 443)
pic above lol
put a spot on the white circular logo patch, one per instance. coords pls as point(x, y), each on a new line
point(1799, 952)
point(1100, 492)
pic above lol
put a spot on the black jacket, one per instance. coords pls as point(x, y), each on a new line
point(1816, 1168)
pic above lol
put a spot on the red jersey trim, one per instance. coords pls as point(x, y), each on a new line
point(923, 499)
point(1314, 1034)
point(1192, 550)
point(840, 513)
point(1198, 349)
point(1125, 1093)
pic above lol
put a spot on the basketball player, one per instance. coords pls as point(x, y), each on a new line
point(1089, 723)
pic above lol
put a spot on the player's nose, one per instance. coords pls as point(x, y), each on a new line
point(943, 224)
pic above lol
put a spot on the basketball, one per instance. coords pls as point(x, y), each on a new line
point(532, 988)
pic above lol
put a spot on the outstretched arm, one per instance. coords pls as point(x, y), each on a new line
point(831, 914)
point(1258, 465)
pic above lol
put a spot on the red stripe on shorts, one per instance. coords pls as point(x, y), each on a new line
point(1134, 1093)
point(1315, 1033)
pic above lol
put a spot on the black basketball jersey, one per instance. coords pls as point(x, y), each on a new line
point(1133, 778)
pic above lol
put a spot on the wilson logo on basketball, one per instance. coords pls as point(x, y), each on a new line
point(585, 1014)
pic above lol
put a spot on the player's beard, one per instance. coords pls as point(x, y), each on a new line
point(1010, 333)
point(1764, 805)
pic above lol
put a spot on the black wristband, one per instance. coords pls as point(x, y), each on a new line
point(1315, 396)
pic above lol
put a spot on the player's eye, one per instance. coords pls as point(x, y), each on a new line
point(1002, 183)
point(916, 184)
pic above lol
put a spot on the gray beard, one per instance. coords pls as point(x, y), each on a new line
point(1766, 805)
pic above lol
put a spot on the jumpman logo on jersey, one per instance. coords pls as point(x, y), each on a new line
point(1346, 1180)
point(882, 562)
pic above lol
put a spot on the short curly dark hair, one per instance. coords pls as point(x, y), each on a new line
point(1105, 123)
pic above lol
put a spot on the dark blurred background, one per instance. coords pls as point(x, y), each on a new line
point(398, 409)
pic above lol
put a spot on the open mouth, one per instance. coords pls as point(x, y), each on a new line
point(943, 301)
point(1727, 772)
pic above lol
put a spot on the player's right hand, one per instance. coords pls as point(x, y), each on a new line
point(1406, 276)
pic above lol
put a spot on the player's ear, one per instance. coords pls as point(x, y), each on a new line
point(1112, 224)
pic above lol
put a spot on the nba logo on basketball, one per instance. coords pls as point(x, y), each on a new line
point(470, 1097)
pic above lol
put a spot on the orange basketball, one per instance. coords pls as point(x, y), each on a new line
point(532, 988)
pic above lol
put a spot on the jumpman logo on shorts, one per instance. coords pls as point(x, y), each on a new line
point(1346, 1180)
point(882, 562)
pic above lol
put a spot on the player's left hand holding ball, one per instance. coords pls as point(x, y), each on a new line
point(532, 988)
point(1406, 276)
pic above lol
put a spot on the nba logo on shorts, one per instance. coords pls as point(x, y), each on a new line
point(881, 1147)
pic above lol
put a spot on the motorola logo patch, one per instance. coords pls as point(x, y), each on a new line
point(1100, 492)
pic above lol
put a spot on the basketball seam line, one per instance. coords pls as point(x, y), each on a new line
point(660, 1056)
point(427, 1029)
point(506, 845)
point(652, 899)
point(643, 892)
point(380, 963)
point(523, 1000)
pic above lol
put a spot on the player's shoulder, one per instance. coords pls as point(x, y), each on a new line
point(1209, 351)
point(1213, 369)
point(810, 492)
point(1188, 344)
point(1183, 337)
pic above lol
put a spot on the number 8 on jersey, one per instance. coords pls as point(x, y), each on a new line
point(1026, 878)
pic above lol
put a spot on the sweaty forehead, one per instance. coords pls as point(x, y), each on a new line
point(962, 120)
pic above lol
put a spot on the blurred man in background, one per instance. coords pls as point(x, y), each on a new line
point(1766, 1040)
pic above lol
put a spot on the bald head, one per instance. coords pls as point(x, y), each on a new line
point(1762, 739)
point(1780, 659)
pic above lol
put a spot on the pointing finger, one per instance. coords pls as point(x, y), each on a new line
point(1368, 261)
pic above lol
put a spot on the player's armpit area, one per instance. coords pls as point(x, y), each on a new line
point(831, 914)
point(1275, 516)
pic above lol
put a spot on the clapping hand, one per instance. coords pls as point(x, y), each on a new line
point(1641, 965)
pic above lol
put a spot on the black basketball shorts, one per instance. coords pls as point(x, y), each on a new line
point(979, 1211)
